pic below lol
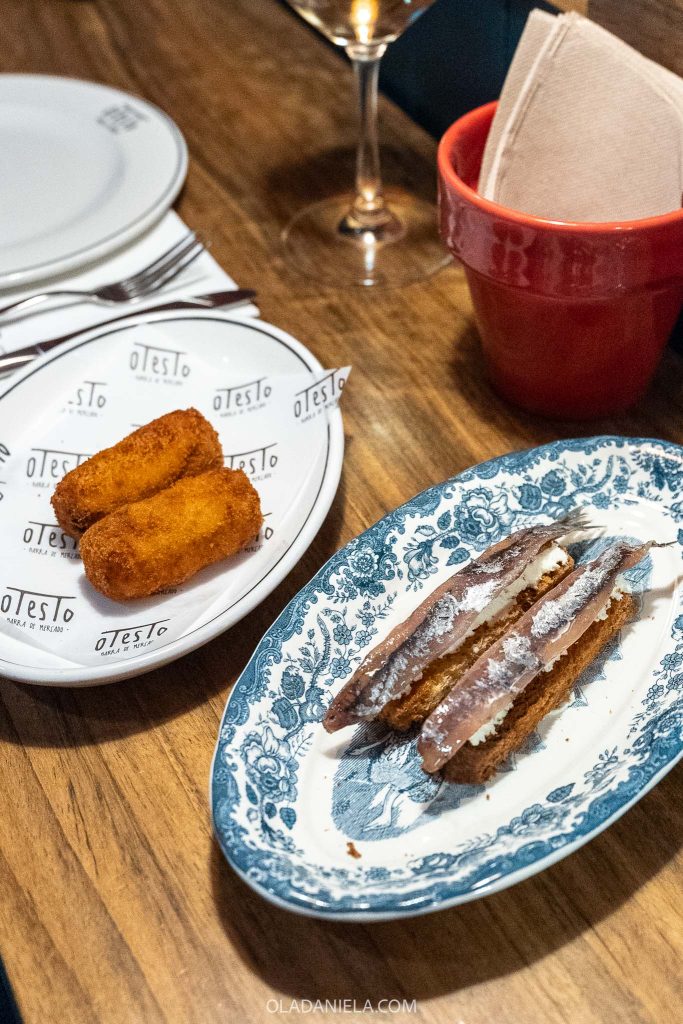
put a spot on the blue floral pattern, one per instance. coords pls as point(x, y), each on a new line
point(379, 792)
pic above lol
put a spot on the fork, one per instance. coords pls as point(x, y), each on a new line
point(137, 286)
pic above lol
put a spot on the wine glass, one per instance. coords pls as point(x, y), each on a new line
point(376, 237)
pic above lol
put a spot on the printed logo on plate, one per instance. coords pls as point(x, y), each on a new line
point(121, 118)
point(241, 398)
point(34, 610)
point(258, 463)
point(129, 638)
point(49, 539)
point(46, 466)
point(89, 399)
point(321, 395)
point(159, 364)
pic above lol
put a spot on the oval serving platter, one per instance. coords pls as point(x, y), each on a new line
point(85, 395)
point(348, 826)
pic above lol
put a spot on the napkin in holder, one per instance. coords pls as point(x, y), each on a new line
point(586, 129)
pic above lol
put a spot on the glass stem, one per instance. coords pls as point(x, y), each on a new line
point(369, 211)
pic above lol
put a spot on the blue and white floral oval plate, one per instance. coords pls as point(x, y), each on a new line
point(294, 807)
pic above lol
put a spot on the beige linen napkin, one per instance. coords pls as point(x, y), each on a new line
point(587, 129)
point(538, 33)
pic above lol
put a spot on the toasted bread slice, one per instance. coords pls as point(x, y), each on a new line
point(476, 764)
point(443, 673)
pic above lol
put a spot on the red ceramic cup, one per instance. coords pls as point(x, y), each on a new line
point(573, 317)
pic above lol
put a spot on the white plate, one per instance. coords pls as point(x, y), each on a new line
point(287, 797)
point(84, 168)
point(84, 396)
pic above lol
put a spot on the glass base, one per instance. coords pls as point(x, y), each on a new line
point(319, 243)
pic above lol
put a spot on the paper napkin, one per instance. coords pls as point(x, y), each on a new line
point(202, 276)
point(538, 32)
point(587, 129)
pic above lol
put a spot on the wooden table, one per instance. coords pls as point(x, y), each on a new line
point(115, 903)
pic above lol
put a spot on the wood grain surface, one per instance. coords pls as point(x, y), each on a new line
point(115, 903)
point(655, 27)
point(572, 5)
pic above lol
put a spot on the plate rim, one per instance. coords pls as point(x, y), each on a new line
point(356, 916)
point(83, 676)
point(133, 229)
point(307, 908)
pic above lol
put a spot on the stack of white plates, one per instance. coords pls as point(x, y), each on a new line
point(85, 169)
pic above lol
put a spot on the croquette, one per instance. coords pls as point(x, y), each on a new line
point(158, 543)
point(180, 444)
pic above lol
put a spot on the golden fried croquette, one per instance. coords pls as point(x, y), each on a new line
point(156, 543)
point(179, 444)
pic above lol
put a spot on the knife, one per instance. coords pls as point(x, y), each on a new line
point(14, 361)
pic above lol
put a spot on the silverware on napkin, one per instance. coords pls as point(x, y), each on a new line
point(130, 289)
point(14, 361)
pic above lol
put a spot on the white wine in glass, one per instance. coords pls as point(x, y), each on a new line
point(359, 21)
point(374, 237)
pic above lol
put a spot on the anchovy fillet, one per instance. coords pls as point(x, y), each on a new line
point(541, 635)
point(440, 622)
